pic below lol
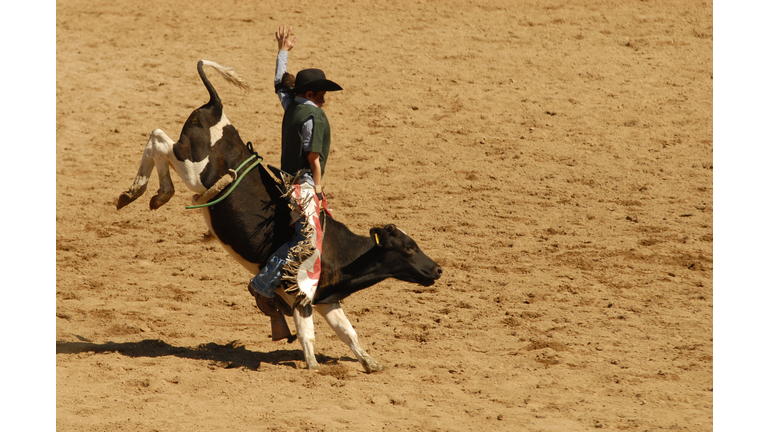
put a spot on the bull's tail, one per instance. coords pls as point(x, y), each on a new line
point(228, 73)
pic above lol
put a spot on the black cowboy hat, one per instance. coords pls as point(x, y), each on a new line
point(313, 80)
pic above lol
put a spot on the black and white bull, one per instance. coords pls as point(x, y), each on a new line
point(253, 221)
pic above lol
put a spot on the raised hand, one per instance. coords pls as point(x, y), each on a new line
point(283, 36)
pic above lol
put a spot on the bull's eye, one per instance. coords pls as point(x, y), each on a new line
point(409, 249)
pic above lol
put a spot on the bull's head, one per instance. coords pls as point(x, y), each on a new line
point(403, 258)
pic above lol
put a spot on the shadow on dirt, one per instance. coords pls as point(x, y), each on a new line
point(231, 355)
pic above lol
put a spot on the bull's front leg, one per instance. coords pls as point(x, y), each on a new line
point(305, 328)
point(156, 154)
point(344, 330)
point(305, 333)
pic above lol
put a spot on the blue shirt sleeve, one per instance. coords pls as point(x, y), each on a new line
point(280, 68)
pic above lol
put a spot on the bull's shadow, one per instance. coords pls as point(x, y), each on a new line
point(231, 355)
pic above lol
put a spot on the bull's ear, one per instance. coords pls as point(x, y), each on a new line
point(380, 236)
point(394, 230)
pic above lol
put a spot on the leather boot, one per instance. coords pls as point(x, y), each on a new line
point(280, 328)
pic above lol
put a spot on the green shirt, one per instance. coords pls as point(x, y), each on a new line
point(293, 159)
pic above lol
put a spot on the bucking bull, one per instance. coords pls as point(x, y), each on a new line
point(252, 221)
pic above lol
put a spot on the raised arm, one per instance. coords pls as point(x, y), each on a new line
point(284, 44)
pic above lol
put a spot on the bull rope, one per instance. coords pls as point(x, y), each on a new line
point(239, 177)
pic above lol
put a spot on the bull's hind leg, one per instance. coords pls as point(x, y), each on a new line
point(343, 328)
point(156, 153)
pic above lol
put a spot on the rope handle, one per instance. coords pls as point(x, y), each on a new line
point(234, 185)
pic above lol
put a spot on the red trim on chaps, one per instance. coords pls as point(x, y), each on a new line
point(297, 193)
point(315, 273)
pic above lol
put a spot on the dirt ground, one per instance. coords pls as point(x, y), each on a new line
point(556, 158)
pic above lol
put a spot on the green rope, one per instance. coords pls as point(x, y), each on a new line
point(234, 185)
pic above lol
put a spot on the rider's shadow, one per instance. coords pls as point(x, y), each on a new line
point(231, 355)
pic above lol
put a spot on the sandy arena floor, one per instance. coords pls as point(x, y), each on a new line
point(556, 158)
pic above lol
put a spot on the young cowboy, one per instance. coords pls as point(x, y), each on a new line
point(306, 141)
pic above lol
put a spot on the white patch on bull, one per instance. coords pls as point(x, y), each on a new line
point(217, 130)
point(400, 229)
point(190, 172)
point(251, 267)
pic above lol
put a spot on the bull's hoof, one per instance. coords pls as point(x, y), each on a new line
point(313, 365)
point(158, 201)
point(371, 365)
point(125, 199)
